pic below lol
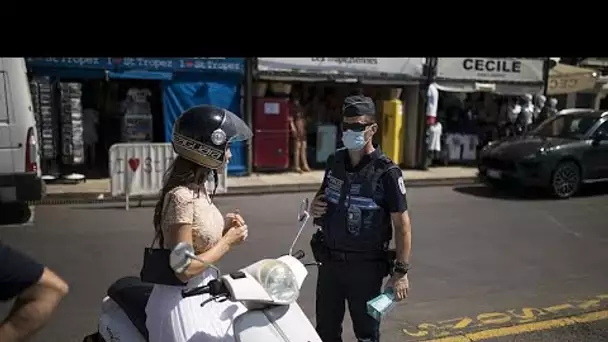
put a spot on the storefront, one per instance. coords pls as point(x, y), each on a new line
point(318, 86)
point(573, 87)
point(474, 99)
point(124, 99)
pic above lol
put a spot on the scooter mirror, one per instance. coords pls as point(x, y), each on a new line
point(179, 258)
point(303, 210)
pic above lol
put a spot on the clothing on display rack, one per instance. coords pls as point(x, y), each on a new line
point(46, 125)
point(72, 143)
point(137, 116)
point(434, 143)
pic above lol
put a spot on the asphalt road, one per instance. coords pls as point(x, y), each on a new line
point(484, 265)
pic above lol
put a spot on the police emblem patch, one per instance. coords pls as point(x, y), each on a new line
point(401, 185)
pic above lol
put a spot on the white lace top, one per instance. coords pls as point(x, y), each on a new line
point(189, 205)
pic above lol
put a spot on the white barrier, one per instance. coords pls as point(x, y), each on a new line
point(138, 169)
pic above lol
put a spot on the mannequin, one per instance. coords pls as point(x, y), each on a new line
point(552, 107)
point(432, 103)
point(297, 125)
point(540, 104)
point(527, 113)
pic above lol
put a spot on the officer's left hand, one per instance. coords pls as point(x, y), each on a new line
point(400, 285)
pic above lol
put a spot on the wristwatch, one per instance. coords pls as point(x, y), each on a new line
point(401, 267)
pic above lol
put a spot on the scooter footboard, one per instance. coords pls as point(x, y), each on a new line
point(275, 324)
point(115, 325)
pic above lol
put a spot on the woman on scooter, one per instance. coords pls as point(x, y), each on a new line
point(186, 213)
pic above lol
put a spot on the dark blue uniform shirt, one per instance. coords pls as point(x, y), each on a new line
point(390, 192)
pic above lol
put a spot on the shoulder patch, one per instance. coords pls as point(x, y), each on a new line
point(401, 185)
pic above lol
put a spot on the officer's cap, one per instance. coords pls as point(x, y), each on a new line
point(358, 105)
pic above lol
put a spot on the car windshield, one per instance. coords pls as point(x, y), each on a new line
point(573, 126)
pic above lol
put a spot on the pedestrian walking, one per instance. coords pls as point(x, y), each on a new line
point(361, 200)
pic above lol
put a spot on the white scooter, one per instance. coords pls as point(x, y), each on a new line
point(268, 288)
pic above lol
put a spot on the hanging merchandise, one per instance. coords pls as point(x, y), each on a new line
point(71, 124)
point(137, 116)
point(43, 100)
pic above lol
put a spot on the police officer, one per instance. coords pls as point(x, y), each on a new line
point(362, 199)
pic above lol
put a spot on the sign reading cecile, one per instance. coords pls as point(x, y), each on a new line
point(483, 69)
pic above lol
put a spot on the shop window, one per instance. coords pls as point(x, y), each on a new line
point(585, 100)
point(562, 101)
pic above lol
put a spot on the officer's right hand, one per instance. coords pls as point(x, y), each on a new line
point(318, 207)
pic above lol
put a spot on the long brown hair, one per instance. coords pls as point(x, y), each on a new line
point(182, 172)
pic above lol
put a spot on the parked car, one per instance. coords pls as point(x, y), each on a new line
point(560, 154)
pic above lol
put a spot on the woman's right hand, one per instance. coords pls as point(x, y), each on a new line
point(236, 235)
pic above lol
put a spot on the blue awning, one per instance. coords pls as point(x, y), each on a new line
point(141, 75)
point(69, 73)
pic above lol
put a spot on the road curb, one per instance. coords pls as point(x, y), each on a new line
point(88, 197)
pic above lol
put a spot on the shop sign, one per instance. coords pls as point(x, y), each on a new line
point(71, 62)
point(491, 69)
point(411, 67)
point(570, 84)
point(216, 64)
point(202, 64)
point(137, 169)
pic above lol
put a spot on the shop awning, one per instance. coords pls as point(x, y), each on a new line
point(566, 79)
point(141, 75)
point(514, 89)
point(69, 73)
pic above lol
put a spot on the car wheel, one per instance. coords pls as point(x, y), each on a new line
point(566, 179)
point(15, 213)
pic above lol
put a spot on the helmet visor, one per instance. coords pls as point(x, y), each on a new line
point(235, 128)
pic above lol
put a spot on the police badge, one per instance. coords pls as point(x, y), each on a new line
point(354, 220)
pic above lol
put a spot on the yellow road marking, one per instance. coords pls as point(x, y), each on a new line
point(526, 328)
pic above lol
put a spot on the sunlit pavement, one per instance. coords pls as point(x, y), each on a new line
point(481, 262)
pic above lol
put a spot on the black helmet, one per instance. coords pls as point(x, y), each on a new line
point(202, 133)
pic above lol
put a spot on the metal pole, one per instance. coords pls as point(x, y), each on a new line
point(422, 127)
point(248, 107)
point(546, 67)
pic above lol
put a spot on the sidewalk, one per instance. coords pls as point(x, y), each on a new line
point(259, 183)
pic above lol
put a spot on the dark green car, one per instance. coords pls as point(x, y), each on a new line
point(561, 154)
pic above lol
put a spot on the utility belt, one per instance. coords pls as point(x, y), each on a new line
point(323, 254)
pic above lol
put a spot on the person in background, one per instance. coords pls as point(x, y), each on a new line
point(37, 292)
point(297, 124)
point(90, 121)
point(362, 200)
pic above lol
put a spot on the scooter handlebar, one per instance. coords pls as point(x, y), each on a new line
point(214, 288)
point(197, 291)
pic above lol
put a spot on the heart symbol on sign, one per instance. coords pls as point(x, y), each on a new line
point(133, 164)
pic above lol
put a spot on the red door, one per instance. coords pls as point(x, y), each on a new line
point(271, 133)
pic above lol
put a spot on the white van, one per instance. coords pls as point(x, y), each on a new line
point(20, 176)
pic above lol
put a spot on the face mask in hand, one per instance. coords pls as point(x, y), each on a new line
point(354, 141)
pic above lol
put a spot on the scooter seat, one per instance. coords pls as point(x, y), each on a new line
point(132, 294)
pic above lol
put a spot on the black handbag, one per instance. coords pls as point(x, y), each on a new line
point(156, 268)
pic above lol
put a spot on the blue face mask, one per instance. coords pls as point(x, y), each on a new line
point(354, 141)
